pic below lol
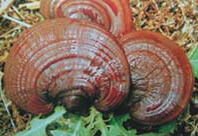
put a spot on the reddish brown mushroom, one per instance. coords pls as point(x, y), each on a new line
point(71, 61)
point(161, 75)
point(114, 15)
point(78, 62)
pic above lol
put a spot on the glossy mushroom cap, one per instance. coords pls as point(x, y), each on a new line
point(114, 15)
point(161, 75)
point(66, 60)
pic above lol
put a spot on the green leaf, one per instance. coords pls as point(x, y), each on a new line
point(95, 123)
point(154, 134)
point(164, 130)
point(75, 125)
point(194, 60)
point(168, 128)
point(117, 129)
point(38, 126)
point(60, 133)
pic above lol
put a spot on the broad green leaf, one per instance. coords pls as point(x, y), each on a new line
point(60, 133)
point(38, 126)
point(117, 129)
point(194, 60)
point(154, 134)
point(164, 130)
point(168, 128)
point(76, 126)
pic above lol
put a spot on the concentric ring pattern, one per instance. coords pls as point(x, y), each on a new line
point(63, 55)
point(161, 75)
point(114, 15)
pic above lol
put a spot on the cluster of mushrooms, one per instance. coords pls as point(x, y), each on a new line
point(88, 53)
